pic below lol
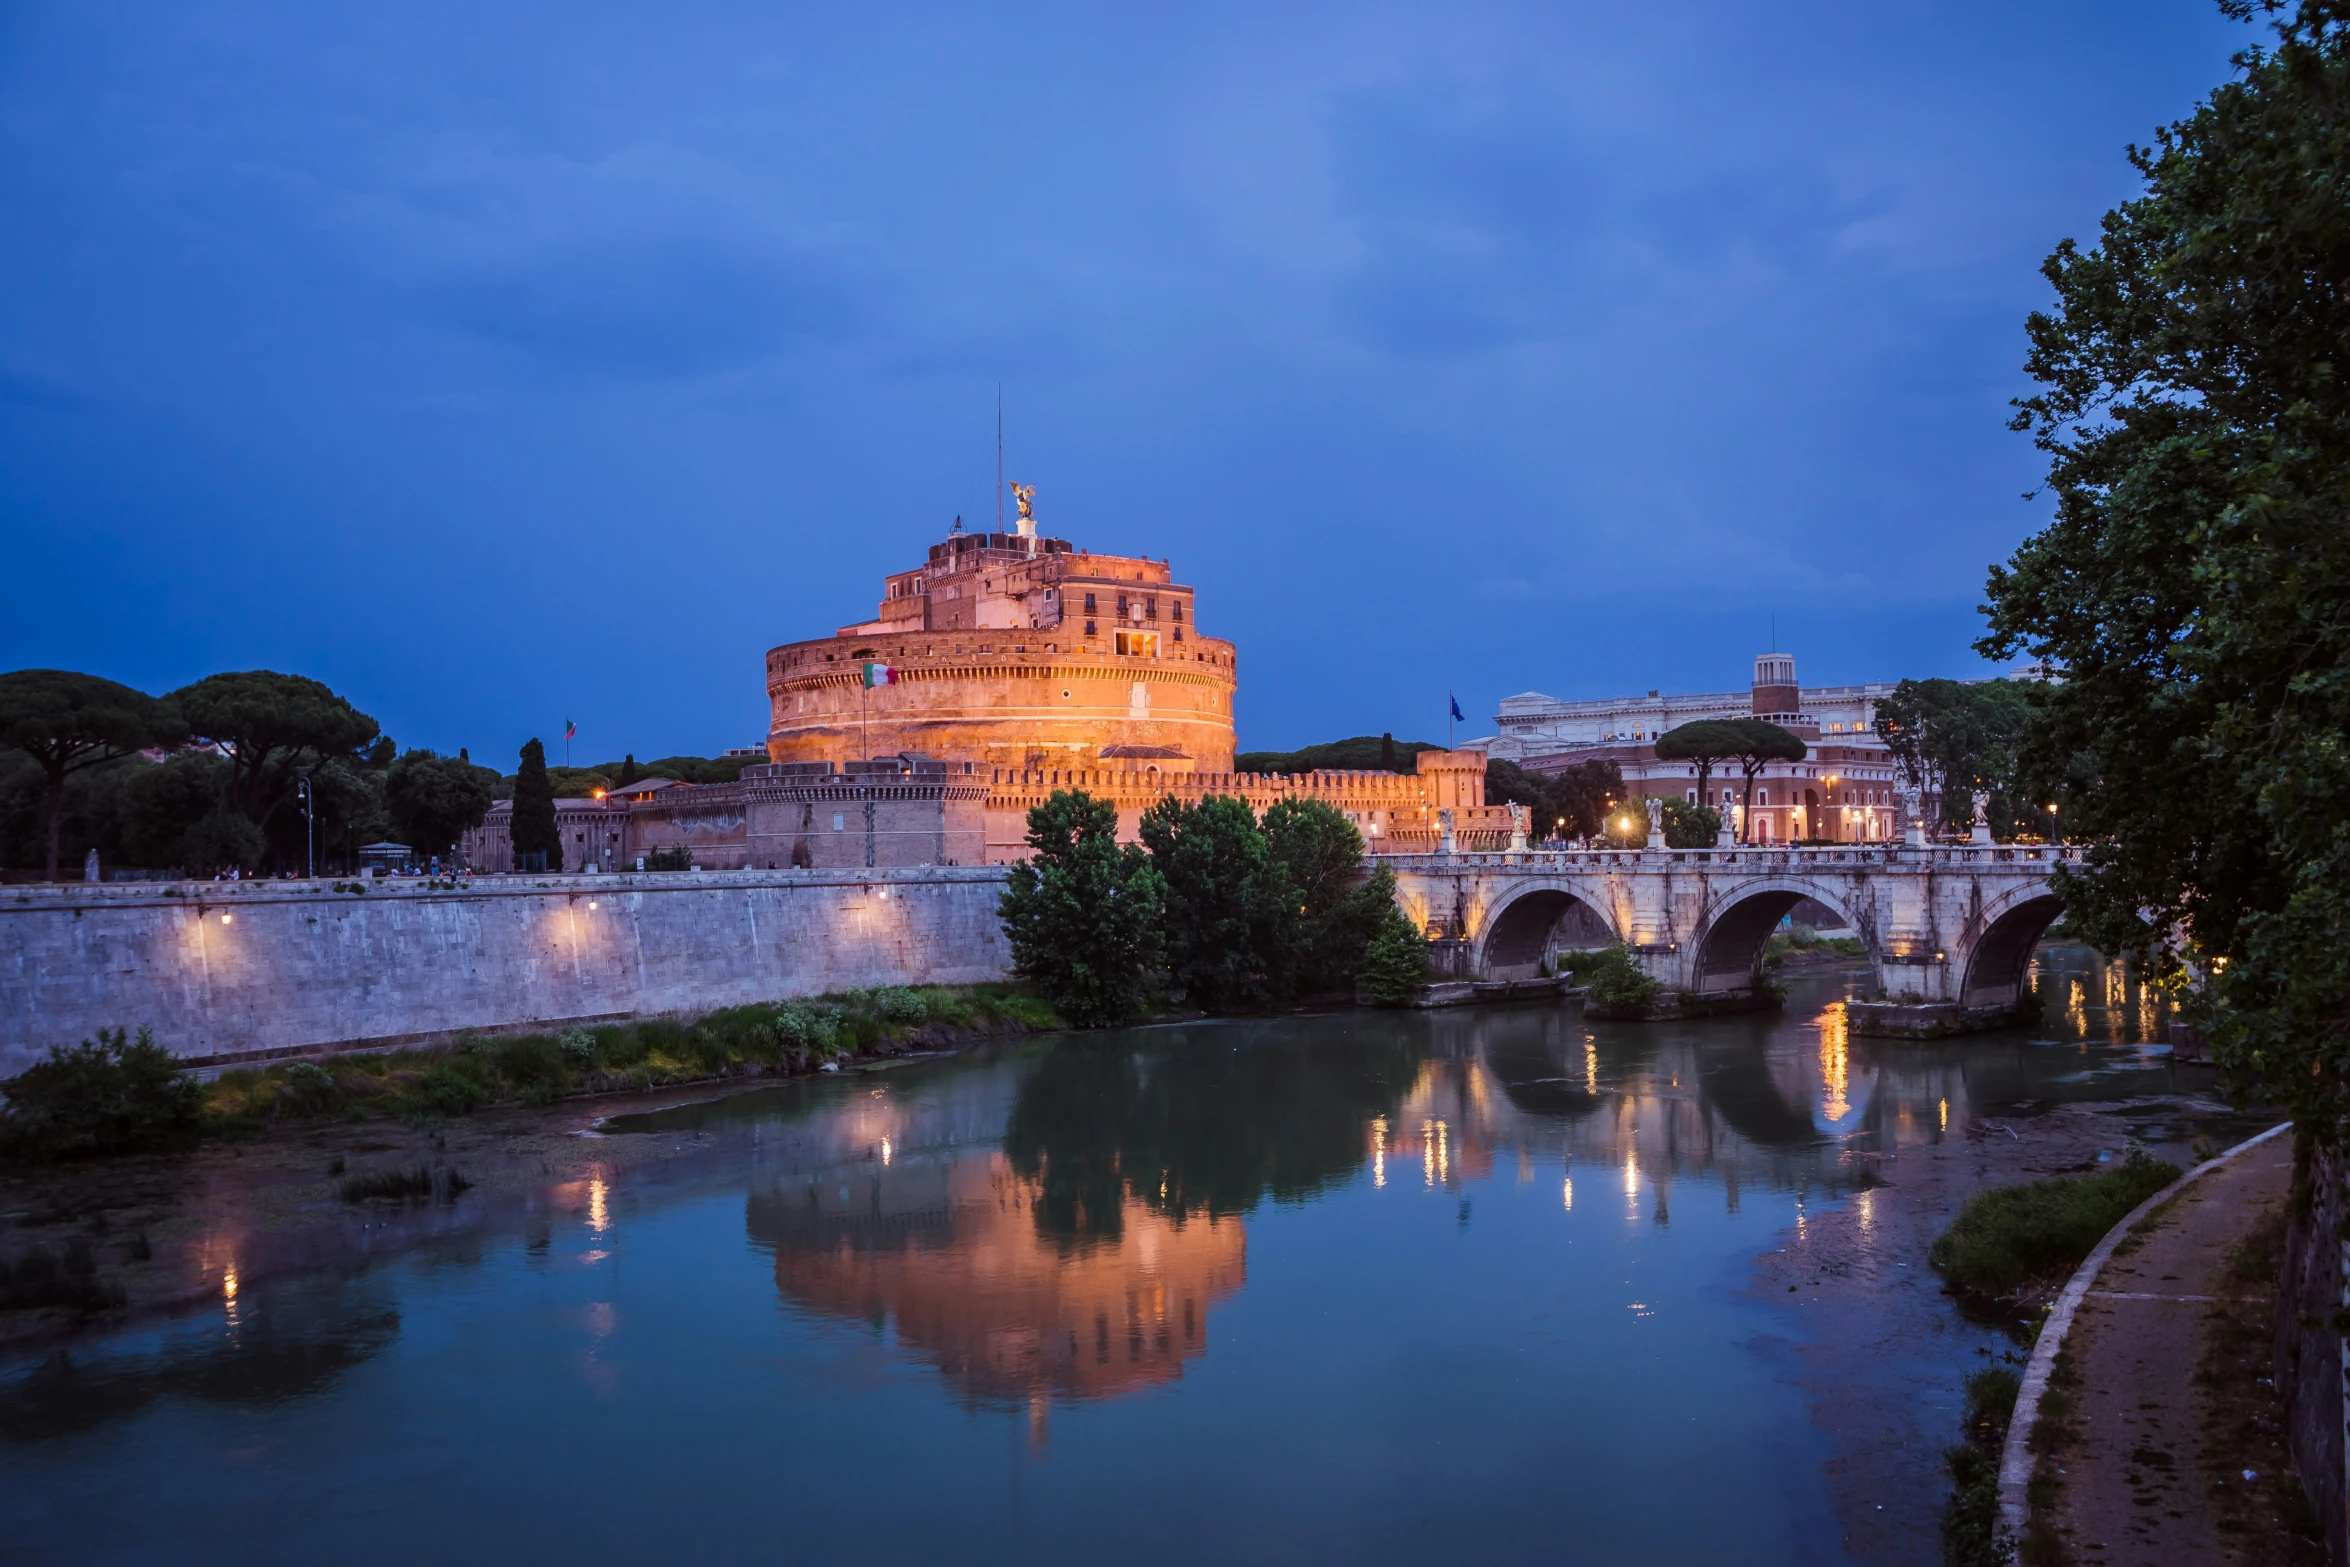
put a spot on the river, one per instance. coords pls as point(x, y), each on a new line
point(1358, 1287)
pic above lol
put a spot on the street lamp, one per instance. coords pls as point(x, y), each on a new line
point(2053, 836)
point(309, 830)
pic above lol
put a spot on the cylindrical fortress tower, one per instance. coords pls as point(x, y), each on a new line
point(1010, 650)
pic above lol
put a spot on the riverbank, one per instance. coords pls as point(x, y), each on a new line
point(279, 1182)
point(2164, 1443)
point(1868, 1329)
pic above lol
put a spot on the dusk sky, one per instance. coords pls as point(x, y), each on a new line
point(503, 364)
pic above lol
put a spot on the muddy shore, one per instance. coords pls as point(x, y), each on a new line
point(1869, 1333)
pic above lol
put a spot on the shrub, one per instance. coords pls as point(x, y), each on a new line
point(109, 1095)
point(578, 1048)
point(900, 1006)
point(532, 1060)
point(445, 1091)
point(1395, 962)
point(2013, 1236)
point(1612, 975)
point(311, 1089)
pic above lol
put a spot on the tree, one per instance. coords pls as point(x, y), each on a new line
point(1320, 856)
point(1395, 961)
point(274, 729)
point(160, 804)
point(1687, 825)
point(538, 842)
point(435, 800)
point(2194, 585)
point(67, 722)
point(1627, 824)
point(1230, 923)
point(628, 773)
point(1953, 738)
point(1082, 913)
point(1704, 741)
point(1581, 796)
point(1759, 743)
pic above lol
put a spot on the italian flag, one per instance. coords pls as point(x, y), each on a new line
point(880, 675)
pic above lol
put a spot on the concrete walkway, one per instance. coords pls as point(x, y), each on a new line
point(2136, 1489)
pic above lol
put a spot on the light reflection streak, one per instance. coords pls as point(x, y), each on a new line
point(1835, 1063)
point(1379, 1151)
point(599, 1217)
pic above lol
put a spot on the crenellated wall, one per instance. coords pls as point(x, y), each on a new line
point(223, 970)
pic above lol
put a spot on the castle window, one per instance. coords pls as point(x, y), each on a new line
point(1121, 606)
point(1178, 612)
point(1150, 608)
point(1089, 631)
point(1089, 604)
point(1178, 633)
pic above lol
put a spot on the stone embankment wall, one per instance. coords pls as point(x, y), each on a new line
point(222, 971)
point(2309, 1364)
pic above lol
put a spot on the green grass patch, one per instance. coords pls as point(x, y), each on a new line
point(426, 1086)
point(1971, 1535)
point(2012, 1238)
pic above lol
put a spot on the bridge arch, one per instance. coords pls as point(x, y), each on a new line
point(1738, 923)
point(1517, 933)
point(2000, 957)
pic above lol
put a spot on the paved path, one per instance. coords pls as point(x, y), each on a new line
point(2135, 1489)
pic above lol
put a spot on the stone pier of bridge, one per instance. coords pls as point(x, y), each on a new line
point(1949, 931)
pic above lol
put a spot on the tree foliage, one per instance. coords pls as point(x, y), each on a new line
point(1688, 826)
point(113, 1094)
point(67, 722)
point(1229, 928)
point(1953, 738)
point(1395, 961)
point(532, 826)
point(1708, 742)
point(1570, 803)
point(1083, 912)
point(2194, 585)
point(1362, 753)
point(434, 800)
point(1320, 855)
point(275, 729)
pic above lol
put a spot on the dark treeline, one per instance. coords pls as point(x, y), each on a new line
point(214, 775)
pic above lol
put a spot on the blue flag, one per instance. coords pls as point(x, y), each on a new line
point(1457, 714)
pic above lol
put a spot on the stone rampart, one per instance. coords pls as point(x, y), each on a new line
point(224, 970)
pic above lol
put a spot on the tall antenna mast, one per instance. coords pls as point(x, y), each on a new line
point(999, 457)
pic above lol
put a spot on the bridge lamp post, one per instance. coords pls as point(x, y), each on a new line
point(2053, 835)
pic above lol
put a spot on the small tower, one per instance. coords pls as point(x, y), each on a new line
point(1776, 695)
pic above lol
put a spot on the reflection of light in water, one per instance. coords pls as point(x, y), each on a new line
point(1590, 1067)
point(1864, 1208)
point(2076, 1008)
point(1835, 1063)
point(1631, 1175)
point(599, 1218)
point(1379, 1150)
point(228, 1292)
point(1570, 1194)
point(885, 1150)
point(1945, 1124)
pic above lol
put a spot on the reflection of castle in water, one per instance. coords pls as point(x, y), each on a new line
point(949, 1250)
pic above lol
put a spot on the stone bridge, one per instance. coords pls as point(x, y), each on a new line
point(1949, 931)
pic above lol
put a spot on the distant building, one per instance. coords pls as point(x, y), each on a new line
point(1844, 791)
point(1005, 667)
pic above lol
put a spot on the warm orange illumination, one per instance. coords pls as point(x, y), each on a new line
point(227, 918)
point(591, 903)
